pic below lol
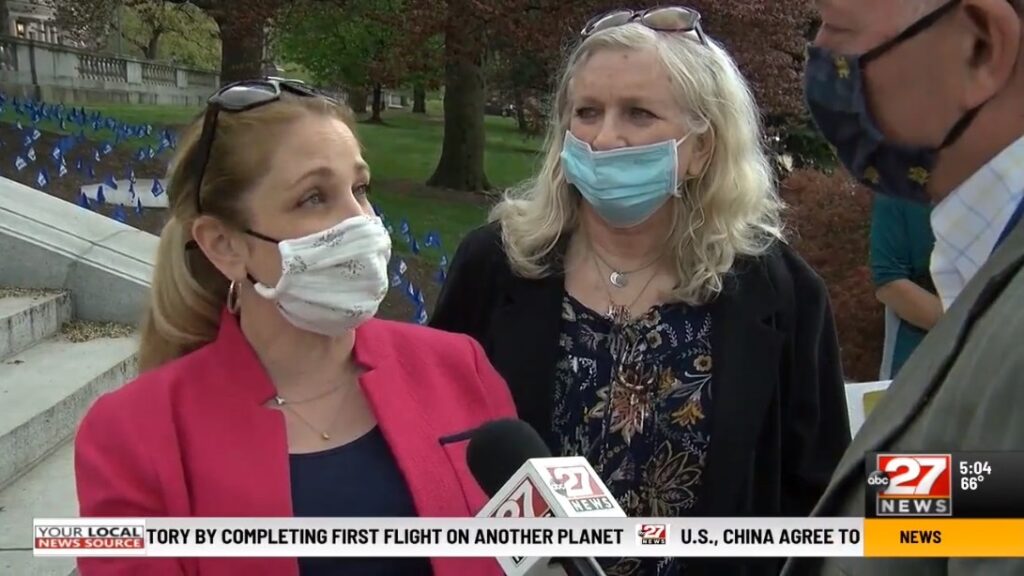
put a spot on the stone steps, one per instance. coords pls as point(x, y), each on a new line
point(51, 370)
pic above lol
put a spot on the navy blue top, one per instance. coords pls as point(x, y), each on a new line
point(635, 400)
point(358, 479)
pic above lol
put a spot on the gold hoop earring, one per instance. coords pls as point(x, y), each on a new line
point(233, 297)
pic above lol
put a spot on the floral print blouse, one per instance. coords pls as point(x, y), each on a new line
point(634, 399)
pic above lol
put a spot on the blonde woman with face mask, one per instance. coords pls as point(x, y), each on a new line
point(267, 388)
point(639, 298)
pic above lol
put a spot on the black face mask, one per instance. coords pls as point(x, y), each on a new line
point(834, 87)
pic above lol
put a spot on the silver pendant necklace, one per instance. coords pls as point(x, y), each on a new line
point(620, 278)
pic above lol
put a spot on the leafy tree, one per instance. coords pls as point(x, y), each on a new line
point(87, 22)
point(242, 32)
point(160, 31)
point(355, 46)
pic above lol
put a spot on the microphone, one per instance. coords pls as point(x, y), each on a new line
point(514, 467)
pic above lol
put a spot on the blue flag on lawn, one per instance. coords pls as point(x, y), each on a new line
point(27, 141)
point(413, 245)
point(42, 179)
point(157, 188)
point(411, 292)
point(138, 206)
point(78, 165)
point(433, 240)
point(150, 152)
point(100, 197)
point(63, 170)
point(111, 182)
point(396, 279)
point(107, 148)
point(402, 268)
point(440, 276)
point(96, 156)
point(57, 153)
point(18, 125)
point(83, 200)
point(444, 260)
point(20, 164)
point(119, 214)
point(36, 134)
point(404, 227)
point(31, 154)
point(141, 154)
point(421, 315)
point(149, 129)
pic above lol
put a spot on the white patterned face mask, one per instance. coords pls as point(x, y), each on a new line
point(332, 281)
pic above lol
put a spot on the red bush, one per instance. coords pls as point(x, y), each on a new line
point(828, 220)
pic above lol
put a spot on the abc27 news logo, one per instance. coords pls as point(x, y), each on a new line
point(652, 534)
point(911, 484)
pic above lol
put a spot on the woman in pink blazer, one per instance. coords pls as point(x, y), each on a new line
point(267, 389)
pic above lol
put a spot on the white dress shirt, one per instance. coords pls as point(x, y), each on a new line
point(967, 223)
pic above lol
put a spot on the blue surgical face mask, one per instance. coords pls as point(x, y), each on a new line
point(625, 186)
point(834, 87)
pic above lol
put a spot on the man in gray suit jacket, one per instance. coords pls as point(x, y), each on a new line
point(923, 99)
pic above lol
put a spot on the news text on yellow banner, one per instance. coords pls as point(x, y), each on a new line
point(945, 538)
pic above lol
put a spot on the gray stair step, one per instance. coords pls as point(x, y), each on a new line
point(30, 316)
point(46, 389)
point(46, 491)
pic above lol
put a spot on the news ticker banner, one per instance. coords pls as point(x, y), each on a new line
point(535, 537)
point(944, 485)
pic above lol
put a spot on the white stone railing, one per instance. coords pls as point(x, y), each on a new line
point(63, 74)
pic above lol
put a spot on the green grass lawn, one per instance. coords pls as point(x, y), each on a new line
point(402, 153)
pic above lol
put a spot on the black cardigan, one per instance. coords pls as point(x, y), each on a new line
point(779, 420)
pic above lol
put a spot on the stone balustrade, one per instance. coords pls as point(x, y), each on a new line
point(56, 73)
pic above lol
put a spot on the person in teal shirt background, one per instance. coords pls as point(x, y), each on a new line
point(901, 248)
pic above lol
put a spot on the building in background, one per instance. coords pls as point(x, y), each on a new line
point(32, 20)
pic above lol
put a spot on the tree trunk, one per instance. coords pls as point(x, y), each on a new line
point(153, 47)
point(520, 104)
point(5, 23)
point(357, 100)
point(461, 166)
point(419, 99)
point(241, 53)
point(378, 102)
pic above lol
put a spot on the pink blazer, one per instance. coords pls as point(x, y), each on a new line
point(192, 438)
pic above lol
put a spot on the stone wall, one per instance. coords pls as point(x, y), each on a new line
point(55, 73)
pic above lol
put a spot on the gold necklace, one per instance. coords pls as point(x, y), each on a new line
point(288, 405)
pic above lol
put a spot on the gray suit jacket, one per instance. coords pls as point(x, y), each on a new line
point(962, 389)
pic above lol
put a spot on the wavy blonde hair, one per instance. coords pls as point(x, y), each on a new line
point(188, 293)
point(732, 209)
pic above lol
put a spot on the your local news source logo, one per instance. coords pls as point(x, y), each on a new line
point(652, 534)
point(912, 485)
point(578, 486)
point(79, 537)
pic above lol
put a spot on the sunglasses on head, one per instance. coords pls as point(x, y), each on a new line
point(660, 19)
point(239, 97)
